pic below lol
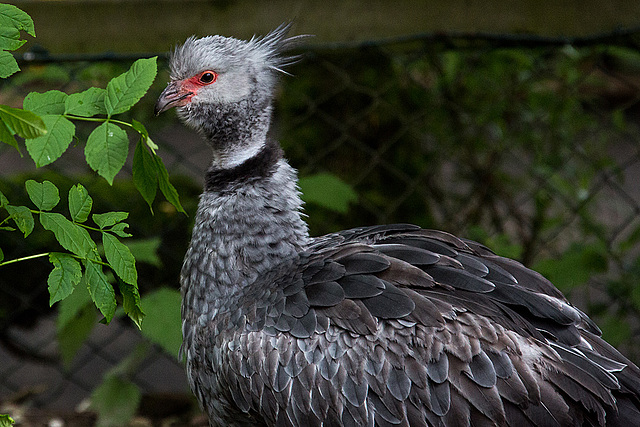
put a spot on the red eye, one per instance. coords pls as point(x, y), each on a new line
point(207, 77)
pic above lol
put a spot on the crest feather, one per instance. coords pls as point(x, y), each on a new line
point(275, 44)
point(223, 53)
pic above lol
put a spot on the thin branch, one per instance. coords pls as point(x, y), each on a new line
point(26, 258)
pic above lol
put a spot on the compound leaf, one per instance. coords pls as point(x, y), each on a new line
point(64, 277)
point(120, 259)
point(86, 104)
point(100, 289)
point(106, 150)
point(47, 103)
point(124, 91)
point(80, 203)
point(131, 303)
point(8, 64)
point(47, 148)
point(109, 218)
point(13, 17)
point(6, 136)
point(118, 229)
point(167, 189)
point(145, 173)
point(71, 236)
point(23, 122)
point(44, 195)
point(10, 38)
point(23, 218)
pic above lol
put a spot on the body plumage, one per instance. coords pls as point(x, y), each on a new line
point(384, 325)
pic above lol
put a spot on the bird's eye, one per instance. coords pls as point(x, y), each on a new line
point(208, 77)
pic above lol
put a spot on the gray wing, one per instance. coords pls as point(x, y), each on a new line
point(402, 326)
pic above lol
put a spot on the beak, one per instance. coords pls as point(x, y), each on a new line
point(174, 95)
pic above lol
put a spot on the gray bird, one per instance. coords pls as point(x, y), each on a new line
point(373, 326)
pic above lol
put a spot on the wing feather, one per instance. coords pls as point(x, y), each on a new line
point(396, 325)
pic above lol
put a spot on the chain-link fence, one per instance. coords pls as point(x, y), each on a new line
point(528, 145)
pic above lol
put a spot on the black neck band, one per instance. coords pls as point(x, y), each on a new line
point(261, 165)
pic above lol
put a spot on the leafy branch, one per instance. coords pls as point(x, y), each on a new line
point(73, 235)
point(46, 122)
point(107, 146)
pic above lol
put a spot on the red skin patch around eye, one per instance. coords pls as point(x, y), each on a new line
point(179, 93)
point(193, 84)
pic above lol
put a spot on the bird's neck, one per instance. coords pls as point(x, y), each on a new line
point(236, 131)
point(248, 220)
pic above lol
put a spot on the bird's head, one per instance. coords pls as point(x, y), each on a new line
point(219, 71)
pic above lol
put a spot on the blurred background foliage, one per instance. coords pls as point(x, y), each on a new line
point(530, 147)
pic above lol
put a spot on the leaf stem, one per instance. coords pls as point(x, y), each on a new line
point(5, 220)
point(26, 258)
point(88, 227)
point(99, 119)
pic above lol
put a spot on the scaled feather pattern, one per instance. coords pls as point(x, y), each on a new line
point(388, 325)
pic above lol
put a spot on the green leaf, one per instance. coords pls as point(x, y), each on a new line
point(64, 277)
point(3, 200)
point(23, 218)
point(131, 303)
point(6, 136)
point(76, 319)
point(100, 289)
point(145, 174)
point(116, 401)
point(139, 127)
point(106, 150)
point(47, 103)
point(87, 242)
point(328, 191)
point(47, 148)
point(10, 38)
point(6, 420)
point(146, 250)
point(71, 236)
point(24, 123)
point(11, 16)
point(1, 255)
point(124, 91)
point(8, 64)
point(44, 195)
point(80, 203)
point(110, 218)
point(162, 319)
point(120, 259)
point(88, 103)
point(118, 229)
point(144, 135)
point(167, 189)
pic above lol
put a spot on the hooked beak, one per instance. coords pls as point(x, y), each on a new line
point(174, 95)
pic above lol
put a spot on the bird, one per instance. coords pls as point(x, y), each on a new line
point(383, 325)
